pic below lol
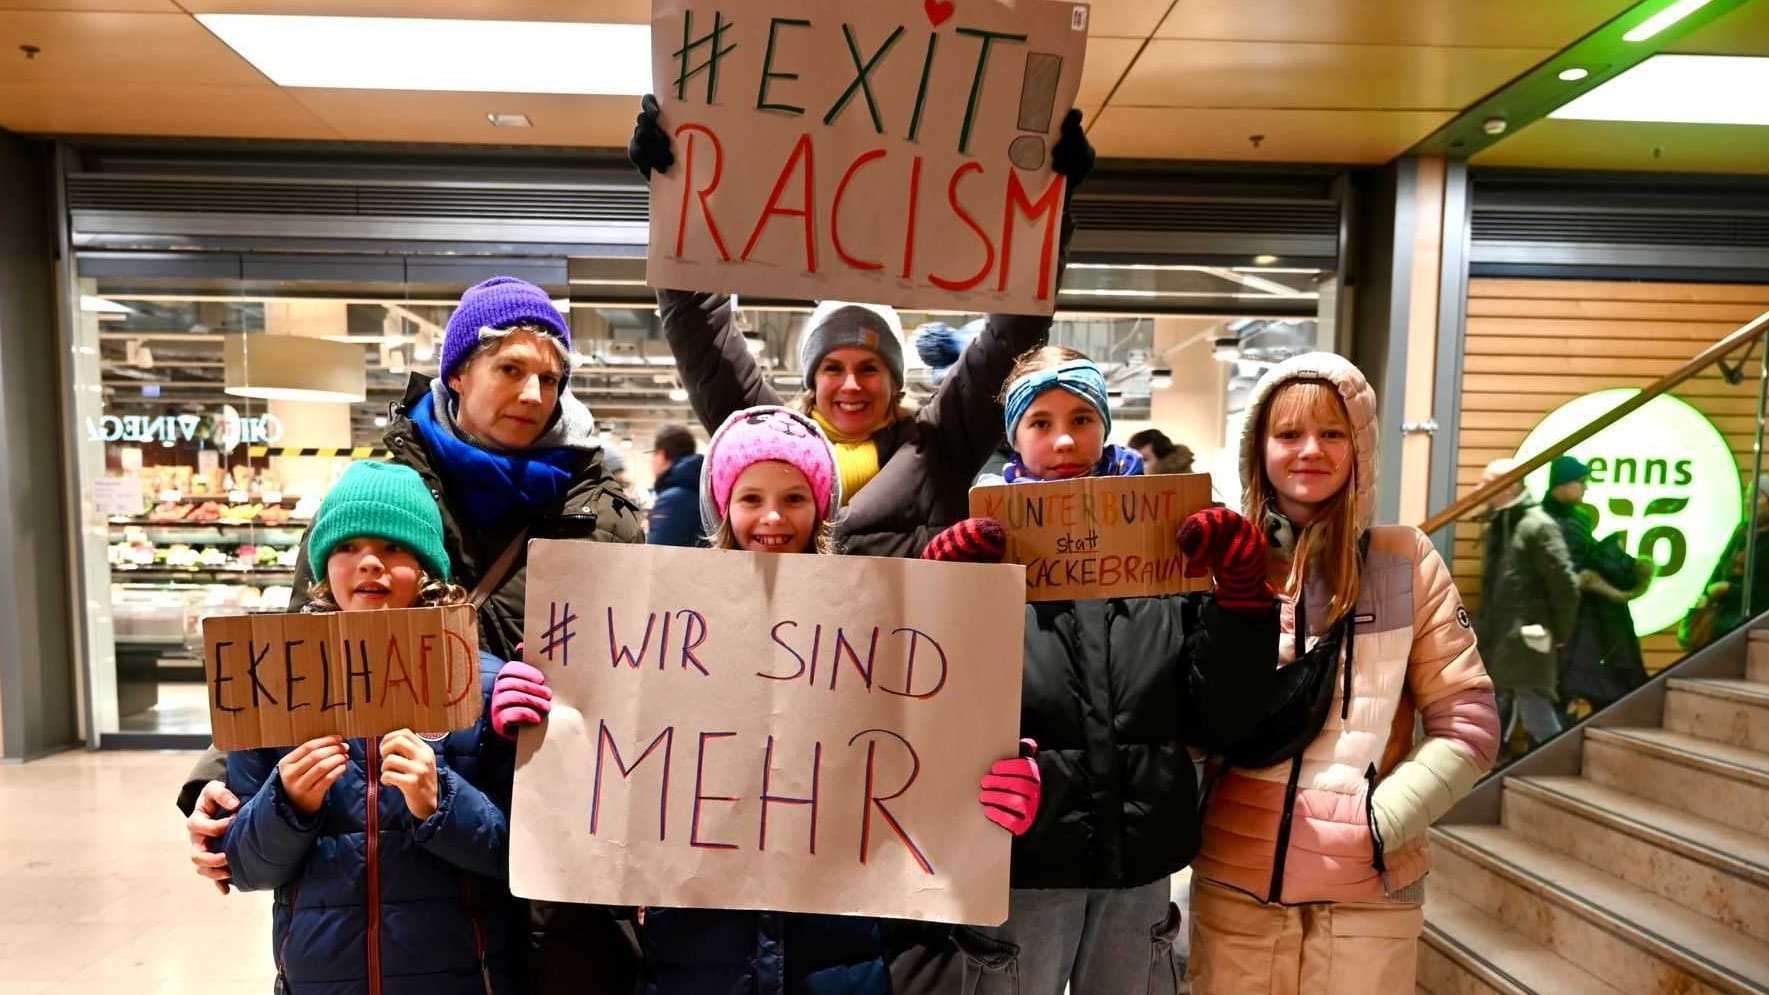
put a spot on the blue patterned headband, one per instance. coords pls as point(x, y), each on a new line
point(1077, 376)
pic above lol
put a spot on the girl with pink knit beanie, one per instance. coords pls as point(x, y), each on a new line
point(771, 484)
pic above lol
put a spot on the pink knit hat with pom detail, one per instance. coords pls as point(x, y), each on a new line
point(756, 435)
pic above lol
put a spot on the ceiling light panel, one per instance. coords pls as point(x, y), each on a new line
point(400, 53)
point(1683, 89)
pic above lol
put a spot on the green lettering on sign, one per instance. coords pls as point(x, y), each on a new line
point(1663, 480)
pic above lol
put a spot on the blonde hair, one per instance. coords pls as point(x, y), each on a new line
point(822, 537)
point(1327, 547)
point(431, 593)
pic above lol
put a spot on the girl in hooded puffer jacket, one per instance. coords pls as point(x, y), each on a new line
point(387, 854)
point(1116, 691)
point(1311, 873)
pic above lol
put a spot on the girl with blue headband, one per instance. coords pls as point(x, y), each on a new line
point(1116, 693)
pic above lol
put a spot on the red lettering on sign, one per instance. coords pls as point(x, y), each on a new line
point(835, 212)
point(965, 216)
point(800, 151)
point(1049, 205)
point(693, 131)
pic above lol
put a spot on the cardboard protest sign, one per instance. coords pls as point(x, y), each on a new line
point(756, 731)
point(281, 680)
point(1097, 537)
point(873, 150)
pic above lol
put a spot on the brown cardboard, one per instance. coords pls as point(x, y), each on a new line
point(683, 678)
point(903, 204)
point(422, 674)
point(1097, 537)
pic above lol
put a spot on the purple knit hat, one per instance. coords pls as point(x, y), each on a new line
point(755, 435)
point(499, 302)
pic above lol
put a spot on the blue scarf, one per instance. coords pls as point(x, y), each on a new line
point(493, 487)
point(1116, 461)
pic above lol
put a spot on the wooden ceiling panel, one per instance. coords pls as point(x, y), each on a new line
point(83, 47)
point(137, 6)
point(1122, 18)
point(403, 116)
point(1744, 31)
point(593, 11)
point(1174, 73)
point(1107, 58)
point(1629, 145)
point(1454, 23)
point(1336, 136)
point(261, 111)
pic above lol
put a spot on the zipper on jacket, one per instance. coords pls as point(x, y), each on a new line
point(1278, 861)
point(374, 864)
point(1350, 653)
point(282, 949)
point(478, 933)
point(1378, 853)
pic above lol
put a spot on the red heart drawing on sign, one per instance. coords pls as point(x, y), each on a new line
point(938, 10)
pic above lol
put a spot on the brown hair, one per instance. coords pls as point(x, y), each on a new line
point(1044, 357)
point(822, 537)
point(431, 593)
point(1328, 546)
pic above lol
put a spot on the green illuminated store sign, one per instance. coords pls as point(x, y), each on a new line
point(1664, 480)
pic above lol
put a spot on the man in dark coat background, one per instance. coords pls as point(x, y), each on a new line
point(675, 516)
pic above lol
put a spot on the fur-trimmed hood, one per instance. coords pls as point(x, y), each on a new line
point(1360, 405)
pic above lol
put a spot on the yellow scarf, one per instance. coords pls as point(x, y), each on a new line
point(855, 456)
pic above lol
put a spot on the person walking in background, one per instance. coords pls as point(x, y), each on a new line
point(1529, 604)
point(675, 515)
point(1161, 454)
point(1602, 661)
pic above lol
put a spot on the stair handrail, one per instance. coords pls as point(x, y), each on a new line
point(1743, 335)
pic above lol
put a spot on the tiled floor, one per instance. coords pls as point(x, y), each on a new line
point(97, 894)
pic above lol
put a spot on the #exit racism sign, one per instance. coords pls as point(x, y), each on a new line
point(895, 151)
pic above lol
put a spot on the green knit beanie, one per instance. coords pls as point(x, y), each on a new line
point(383, 500)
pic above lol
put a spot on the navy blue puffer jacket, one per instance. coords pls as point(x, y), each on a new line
point(720, 952)
point(415, 908)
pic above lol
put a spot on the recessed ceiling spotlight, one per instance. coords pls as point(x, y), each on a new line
point(1264, 260)
point(510, 120)
point(1574, 74)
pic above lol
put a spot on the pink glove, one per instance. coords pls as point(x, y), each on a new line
point(519, 697)
point(1011, 789)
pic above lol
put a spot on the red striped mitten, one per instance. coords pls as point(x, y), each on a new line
point(1221, 543)
point(974, 540)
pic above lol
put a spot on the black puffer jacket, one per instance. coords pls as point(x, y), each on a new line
point(926, 462)
point(1115, 691)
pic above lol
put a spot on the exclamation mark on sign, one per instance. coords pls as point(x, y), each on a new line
point(1037, 103)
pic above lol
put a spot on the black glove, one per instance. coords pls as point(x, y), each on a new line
point(1073, 155)
point(649, 148)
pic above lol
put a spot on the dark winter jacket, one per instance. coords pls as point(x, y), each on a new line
point(1602, 660)
point(1114, 692)
point(1527, 578)
point(675, 517)
point(365, 890)
point(926, 462)
point(720, 952)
